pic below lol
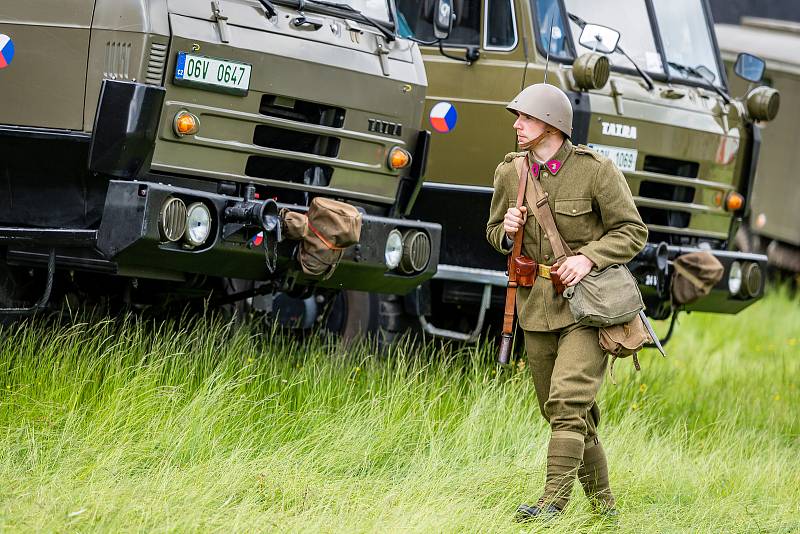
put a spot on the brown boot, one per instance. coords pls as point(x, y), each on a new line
point(563, 460)
point(593, 476)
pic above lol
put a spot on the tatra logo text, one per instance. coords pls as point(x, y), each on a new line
point(619, 130)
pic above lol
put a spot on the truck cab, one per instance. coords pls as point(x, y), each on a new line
point(656, 104)
point(165, 140)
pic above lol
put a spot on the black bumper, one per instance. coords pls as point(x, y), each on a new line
point(655, 281)
point(129, 237)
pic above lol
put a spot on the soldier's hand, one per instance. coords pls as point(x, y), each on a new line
point(573, 269)
point(514, 220)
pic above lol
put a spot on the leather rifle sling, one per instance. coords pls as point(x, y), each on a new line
point(511, 290)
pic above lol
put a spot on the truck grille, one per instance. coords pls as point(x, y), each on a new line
point(294, 141)
point(661, 191)
point(308, 143)
point(299, 172)
point(301, 111)
point(156, 64)
point(117, 61)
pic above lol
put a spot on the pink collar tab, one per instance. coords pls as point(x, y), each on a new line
point(553, 166)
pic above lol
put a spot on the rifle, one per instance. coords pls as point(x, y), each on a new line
point(507, 336)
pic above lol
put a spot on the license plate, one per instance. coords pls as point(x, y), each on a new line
point(213, 74)
point(623, 158)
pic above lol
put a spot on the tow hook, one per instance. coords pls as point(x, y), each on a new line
point(261, 215)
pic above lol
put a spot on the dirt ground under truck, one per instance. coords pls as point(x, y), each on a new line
point(685, 146)
point(147, 156)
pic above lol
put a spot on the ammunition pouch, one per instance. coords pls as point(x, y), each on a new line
point(623, 340)
point(526, 270)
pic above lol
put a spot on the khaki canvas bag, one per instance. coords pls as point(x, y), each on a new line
point(605, 298)
point(326, 231)
point(695, 274)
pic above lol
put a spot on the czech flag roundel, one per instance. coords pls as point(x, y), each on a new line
point(444, 117)
point(6, 50)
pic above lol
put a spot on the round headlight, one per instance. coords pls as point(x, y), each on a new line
point(394, 249)
point(172, 219)
point(751, 277)
point(735, 278)
point(198, 224)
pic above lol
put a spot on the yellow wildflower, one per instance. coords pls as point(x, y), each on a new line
point(642, 388)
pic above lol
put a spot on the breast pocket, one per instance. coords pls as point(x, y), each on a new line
point(575, 219)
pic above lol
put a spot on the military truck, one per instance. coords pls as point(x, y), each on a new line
point(656, 103)
point(149, 147)
point(773, 227)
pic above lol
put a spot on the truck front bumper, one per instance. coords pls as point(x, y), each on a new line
point(129, 236)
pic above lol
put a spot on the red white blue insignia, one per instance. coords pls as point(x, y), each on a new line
point(444, 117)
point(6, 50)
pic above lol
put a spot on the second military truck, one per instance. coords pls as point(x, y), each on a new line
point(656, 103)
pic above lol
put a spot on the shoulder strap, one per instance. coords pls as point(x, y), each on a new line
point(519, 163)
point(541, 210)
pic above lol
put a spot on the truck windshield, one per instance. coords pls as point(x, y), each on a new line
point(374, 9)
point(377, 10)
point(631, 19)
point(687, 42)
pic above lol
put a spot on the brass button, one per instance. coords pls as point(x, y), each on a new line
point(544, 175)
point(546, 238)
point(574, 211)
point(547, 257)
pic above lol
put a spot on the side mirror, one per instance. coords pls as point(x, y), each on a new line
point(749, 67)
point(599, 38)
point(443, 19)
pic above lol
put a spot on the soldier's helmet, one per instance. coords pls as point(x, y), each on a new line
point(547, 103)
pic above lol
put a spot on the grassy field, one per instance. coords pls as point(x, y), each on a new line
point(135, 427)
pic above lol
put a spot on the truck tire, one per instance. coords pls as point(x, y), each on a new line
point(358, 314)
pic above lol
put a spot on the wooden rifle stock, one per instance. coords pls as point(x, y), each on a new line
point(509, 313)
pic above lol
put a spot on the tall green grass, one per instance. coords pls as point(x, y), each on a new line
point(133, 426)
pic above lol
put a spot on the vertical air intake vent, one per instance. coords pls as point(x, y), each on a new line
point(118, 61)
point(157, 64)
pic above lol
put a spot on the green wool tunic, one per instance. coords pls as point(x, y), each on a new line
point(595, 214)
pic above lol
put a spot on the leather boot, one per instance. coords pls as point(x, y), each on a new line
point(564, 456)
point(593, 476)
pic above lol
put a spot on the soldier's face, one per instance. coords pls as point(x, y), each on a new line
point(528, 128)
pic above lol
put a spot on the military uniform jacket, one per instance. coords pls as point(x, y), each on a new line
point(595, 214)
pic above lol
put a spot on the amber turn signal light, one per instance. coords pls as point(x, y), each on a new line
point(399, 158)
point(734, 202)
point(185, 123)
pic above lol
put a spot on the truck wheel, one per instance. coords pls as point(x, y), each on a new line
point(19, 288)
point(355, 314)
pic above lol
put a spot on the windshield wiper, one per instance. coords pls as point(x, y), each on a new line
point(646, 77)
point(269, 8)
point(698, 73)
point(359, 16)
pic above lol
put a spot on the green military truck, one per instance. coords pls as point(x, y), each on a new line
point(149, 148)
point(773, 227)
point(659, 108)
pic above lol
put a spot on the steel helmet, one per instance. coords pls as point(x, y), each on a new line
point(547, 103)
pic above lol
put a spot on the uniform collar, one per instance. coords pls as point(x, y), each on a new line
point(555, 163)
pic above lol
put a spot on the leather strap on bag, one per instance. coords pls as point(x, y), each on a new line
point(510, 309)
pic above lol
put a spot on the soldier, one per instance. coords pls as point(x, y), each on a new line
point(596, 216)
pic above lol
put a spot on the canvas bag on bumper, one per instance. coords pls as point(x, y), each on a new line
point(326, 231)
